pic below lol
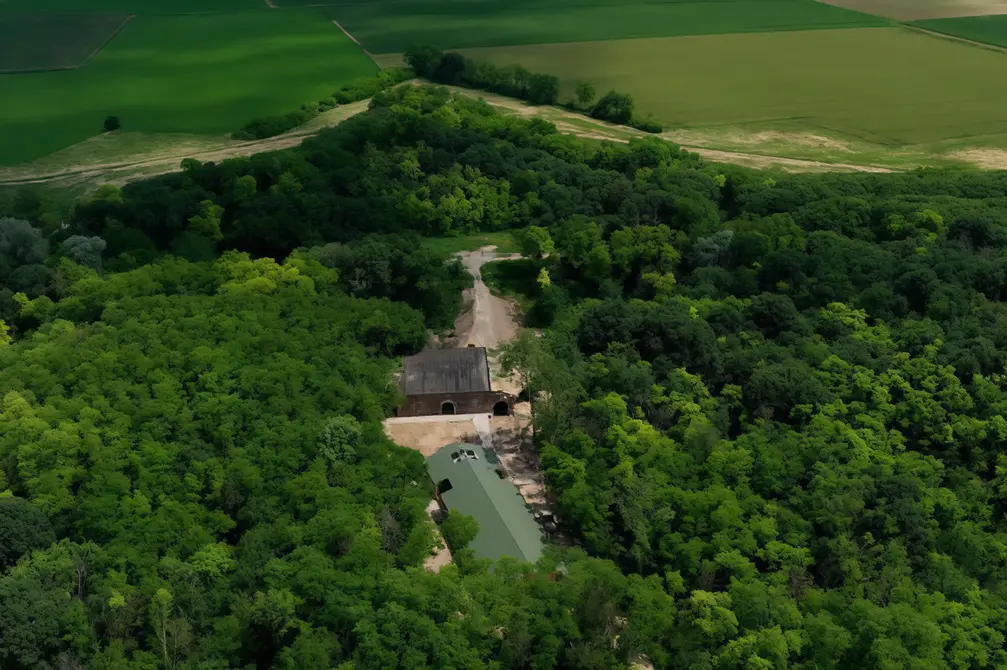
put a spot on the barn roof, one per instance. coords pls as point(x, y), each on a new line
point(506, 525)
point(447, 371)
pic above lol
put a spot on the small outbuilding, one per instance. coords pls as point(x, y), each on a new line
point(468, 480)
point(451, 381)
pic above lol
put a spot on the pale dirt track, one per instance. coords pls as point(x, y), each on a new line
point(490, 321)
point(169, 161)
point(147, 165)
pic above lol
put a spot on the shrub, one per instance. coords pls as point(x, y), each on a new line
point(359, 89)
point(455, 69)
point(23, 528)
point(271, 126)
point(614, 107)
point(647, 125)
point(543, 89)
point(423, 60)
point(459, 530)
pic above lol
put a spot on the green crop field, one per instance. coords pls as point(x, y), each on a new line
point(196, 73)
point(394, 27)
point(887, 85)
point(987, 29)
point(53, 41)
point(915, 10)
point(140, 7)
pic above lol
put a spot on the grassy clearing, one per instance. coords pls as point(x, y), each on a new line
point(393, 27)
point(53, 41)
point(986, 29)
point(886, 86)
point(180, 74)
point(503, 241)
point(914, 10)
point(128, 6)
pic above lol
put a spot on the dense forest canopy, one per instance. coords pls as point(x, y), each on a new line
point(770, 409)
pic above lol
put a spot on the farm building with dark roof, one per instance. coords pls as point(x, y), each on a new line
point(451, 381)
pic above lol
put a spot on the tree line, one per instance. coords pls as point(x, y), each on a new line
point(358, 89)
point(515, 81)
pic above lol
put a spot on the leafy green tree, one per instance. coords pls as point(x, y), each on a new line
point(614, 107)
point(23, 528)
point(585, 93)
point(459, 530)
point(423, 60)
point(339, 438)
point(536, 242)
point(86, 251)
point(543, 89)
point(21, 244)
point(207, 222)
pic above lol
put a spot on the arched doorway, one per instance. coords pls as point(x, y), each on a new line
point(447, 408)
point(501, 409)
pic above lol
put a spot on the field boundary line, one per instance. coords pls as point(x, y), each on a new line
point(955, 38)
point(357, 42)
point(109, 39)
point(63, 68)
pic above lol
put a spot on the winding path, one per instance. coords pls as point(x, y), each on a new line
point(141, 166)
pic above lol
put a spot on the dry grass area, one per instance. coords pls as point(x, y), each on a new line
point(987, 159)
point(916, 10)
point(119, 158)
point(122, 157)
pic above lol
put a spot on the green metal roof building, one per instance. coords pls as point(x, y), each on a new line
point(467, 480)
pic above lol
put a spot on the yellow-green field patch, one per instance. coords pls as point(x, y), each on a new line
point(886, 85)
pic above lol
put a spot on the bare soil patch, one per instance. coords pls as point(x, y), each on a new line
point(987, 159)
point(441, 555)
point(427, 434)
point(761, 162)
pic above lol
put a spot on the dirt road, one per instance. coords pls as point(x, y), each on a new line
point(148, 164)
point(490, 321)
point(130, 167)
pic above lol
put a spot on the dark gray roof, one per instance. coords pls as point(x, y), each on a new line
point(447, 371)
